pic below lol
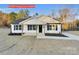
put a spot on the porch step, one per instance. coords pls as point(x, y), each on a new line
point(28, 34)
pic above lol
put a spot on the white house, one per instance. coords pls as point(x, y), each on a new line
point(37, 25)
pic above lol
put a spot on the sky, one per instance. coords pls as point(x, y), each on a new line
point(40, 8)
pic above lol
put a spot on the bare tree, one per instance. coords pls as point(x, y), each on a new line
point(64, 13)
point(68, 16)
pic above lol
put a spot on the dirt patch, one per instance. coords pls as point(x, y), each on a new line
point(30, 45)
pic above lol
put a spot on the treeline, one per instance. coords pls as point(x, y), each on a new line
point(7, 18)
point(65, 15)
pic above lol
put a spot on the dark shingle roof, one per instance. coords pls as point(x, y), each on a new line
point(20, 20)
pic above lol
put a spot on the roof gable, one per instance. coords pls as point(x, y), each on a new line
point(48, 19)
point(42, 19)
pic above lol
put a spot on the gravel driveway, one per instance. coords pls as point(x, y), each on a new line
point(26, 45)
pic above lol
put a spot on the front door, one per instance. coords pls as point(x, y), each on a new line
point(40, 28)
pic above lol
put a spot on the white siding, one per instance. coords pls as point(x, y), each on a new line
point(59, 28)
point(15, 31)
point(12, 27)
point(35, 32)
point(28, 32)
point(53, 31)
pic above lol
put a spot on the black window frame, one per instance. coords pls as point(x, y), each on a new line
point(17, 27)
point(20, 27)
point(31, 27)
point(34, 27)
point(54, 27)
point(49, 27)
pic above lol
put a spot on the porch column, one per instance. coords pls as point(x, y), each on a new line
point(59, 28)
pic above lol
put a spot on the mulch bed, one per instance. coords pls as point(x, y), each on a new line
point(15, 34)
point(58, 35)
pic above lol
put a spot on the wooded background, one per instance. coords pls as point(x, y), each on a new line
point(66, 16)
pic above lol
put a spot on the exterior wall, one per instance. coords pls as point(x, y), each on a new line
point(15, 31)
point(59, 28)
point(53, 31)
point(35, 32)
point(28, 32)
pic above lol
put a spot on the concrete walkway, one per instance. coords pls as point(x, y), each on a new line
point(70, 37)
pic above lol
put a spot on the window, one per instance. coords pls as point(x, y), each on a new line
point(49, 27)
point(31, 27)
point(34, 27)
point(14, 27)
point(17, 27)
point(54, 26)
point(20, 27)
